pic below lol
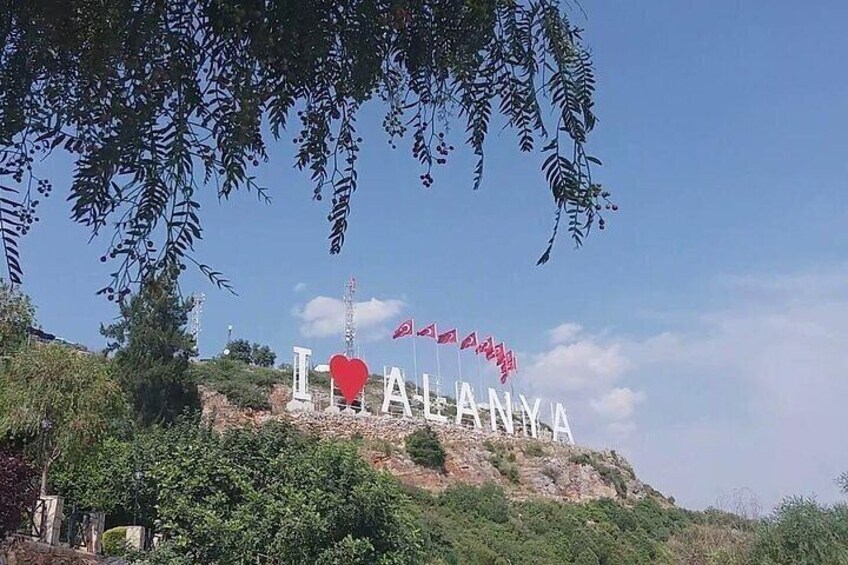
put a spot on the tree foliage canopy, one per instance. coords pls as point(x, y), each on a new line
point(62, 399)
point(155, 101)
point(16, 316)
point(152, 351)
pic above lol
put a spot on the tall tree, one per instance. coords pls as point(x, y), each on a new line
point(240, 350)
point(262, 355)
point(61, 400)
point(154, 101)
point(16, 316)
point(152, 351)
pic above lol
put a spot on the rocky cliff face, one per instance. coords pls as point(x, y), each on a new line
point(524, 467)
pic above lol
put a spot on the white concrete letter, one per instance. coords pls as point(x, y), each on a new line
point(300, 374)
point(301, 399)
point(497, 409)
point(465, 405)
point(428, 415)
point(561, 424)
point(389, 395)
point(533, 415)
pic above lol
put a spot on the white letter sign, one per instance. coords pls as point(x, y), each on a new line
point(533, 415)
point(391, 380)
point(465, 406)
point(428, 415)
point(497, 409)
point(561, 424)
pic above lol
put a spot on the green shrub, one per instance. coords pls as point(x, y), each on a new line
point(115, 542)
point(382, 446)
point(503, 459)
point(614, 477)
point(801, 532)
point(534, 449)
point(487, 501)
point(425, 448)
point(581, 459)
point(244, 385)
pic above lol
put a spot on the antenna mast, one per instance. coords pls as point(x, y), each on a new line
point(350, 324)
point(196, 312)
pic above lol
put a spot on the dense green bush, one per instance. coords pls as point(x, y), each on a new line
point(534, 449)
point(244, 385)
point(425, 448)
point(115, 541)
point(801, 532)
point(237, 496)
point(467, 524)
point(502, 458)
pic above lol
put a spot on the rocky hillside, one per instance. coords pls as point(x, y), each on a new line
point(524, 467)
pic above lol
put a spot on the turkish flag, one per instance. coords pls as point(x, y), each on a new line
point(429, 331)
point(510, 361)
point(404, 329)
point(500, 353)
point(447, 337)
point(469, 341)
point(486, 347)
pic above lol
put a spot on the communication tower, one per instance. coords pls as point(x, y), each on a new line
point(350, 323)
point(194, 317)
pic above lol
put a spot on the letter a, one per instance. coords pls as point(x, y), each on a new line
point(390, 381)
point(465, 406)
point(561, 424)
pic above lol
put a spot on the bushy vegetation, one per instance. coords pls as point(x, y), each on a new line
point(18, 490)
point(16, 316)
point(152, 348)
point(115, 541)
point(244, 385)
point(611, 475)
point(468, 524)
point(256, 354)
point(425, 448)
point(502, 458)
point(802, 532)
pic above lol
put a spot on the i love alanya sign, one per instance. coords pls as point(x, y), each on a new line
point(351, 375)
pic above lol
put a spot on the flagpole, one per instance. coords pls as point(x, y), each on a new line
point(438, 364)
point(459, 362)
point(414, 358)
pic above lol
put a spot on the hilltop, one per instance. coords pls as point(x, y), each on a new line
point(234, 394)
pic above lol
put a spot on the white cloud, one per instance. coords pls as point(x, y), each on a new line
point(751, 394)
point(583, 371)
point(581, 365)
point(299, 287)
point(564, 333)
point(323, 316)
point(618, 403)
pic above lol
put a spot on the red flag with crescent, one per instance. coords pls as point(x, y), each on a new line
point(510, 361)
point(500, 353)
point(447, 337)
point(404, 329)
point(469, 341)
point(486, 346)
point(429, 331)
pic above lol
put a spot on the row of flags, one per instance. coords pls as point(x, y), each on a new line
point(505, 358)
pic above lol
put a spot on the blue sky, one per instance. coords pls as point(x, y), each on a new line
point(702, 334)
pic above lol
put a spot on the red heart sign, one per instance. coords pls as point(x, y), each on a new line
point(349, 374)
